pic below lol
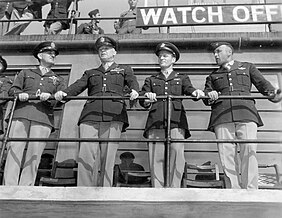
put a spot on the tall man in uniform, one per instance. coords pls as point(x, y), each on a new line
point(127, 25)
point(167, 82)
point(32, 118)
point(102, 118)
point(236, 118)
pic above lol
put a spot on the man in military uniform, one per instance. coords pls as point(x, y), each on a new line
point(236, 118)
point(32, 118)
point(102, 118)
point(167, 82)
point(5, 84)
point(24, 10)
point(91, 27)
point(59, 9)
point(126, 25)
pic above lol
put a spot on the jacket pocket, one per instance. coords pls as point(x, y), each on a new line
point(95, 79)
point(176, 87)
point(117, 78)
point(243, 78)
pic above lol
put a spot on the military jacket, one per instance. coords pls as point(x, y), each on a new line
point(101, 82)
point(127, 25)
point(32, 81)
point(5, 84)
point(236, 81)
point(175, 84)
point(59, 9)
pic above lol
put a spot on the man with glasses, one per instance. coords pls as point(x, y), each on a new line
point(32, 118)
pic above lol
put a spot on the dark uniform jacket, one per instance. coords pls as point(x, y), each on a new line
point(59, 9)
point(32, 81)
point(5, 85)
point(34, 7)
point(237, 81)
point(104, 83)
point(175, 84)
point(89, 28)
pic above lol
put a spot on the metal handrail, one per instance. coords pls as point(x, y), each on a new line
point(167, 140)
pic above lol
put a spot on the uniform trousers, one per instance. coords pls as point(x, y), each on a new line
point(19, 27)
point(243, 173)
point(54, 28)
point(23, 128)
point(176, 160)
point(95, 156)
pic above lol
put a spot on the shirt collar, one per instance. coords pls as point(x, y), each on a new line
point(44, 70)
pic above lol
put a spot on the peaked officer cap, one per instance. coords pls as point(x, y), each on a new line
point(105, 40)
point(3, 63)
point(167, 46)
point(93, 13)
point(215, 45)
point(126, 155)
point(45, 46)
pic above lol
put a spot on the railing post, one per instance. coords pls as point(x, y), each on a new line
point(167, 144)
point(7, 132)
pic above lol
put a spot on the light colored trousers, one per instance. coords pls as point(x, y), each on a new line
point(243, 174)
point(176, 160)
point(19, 27)
point(95, 156)
point(22, 128)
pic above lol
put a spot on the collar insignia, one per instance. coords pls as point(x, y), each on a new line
point(54, 78)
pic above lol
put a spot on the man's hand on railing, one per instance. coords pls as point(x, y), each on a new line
point(133, 95)
point(23, 96)
point(44, 96)
point(277, 96)
point(152, 97)
point(60, 95)
point(213, 95)
point(198, 93)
